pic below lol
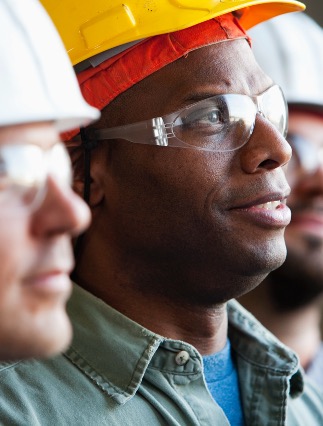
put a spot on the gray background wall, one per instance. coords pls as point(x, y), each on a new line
point(315, 9)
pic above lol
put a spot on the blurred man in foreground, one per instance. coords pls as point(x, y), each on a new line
point(39, 213)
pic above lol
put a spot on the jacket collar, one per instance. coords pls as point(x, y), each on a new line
point(104, 337)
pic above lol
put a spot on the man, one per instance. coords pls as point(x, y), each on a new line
point(187, 190)
point(289, 300)
point(39, 212)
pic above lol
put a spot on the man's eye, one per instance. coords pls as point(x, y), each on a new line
point(207, 118)
point(213, 117)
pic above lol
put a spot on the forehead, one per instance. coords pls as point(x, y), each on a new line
point(225, 67)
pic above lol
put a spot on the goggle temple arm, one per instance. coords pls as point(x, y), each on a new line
point(150, 132)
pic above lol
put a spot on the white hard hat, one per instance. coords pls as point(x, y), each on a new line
point(37, 81)
point(289, 49)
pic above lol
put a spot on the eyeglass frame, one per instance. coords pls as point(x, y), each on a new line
point(34, 178)
point(157, 132)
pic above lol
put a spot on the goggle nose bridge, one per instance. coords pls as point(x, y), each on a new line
point(258, 104)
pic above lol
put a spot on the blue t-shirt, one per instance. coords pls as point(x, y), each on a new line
point(222, 379)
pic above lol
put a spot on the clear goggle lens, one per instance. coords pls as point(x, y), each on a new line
point(219, 123)
point(24, 171)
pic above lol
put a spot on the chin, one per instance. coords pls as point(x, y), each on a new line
point(46, 336)
point(56, 339)
point(253, 268)
point(268, 257)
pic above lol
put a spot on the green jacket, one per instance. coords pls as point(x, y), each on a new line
point(119, 373)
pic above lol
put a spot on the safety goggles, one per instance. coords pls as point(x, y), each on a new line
point(219, 123)
point(307, 155)
point(24, 172)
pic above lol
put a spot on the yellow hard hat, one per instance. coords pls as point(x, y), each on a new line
point(91, 27)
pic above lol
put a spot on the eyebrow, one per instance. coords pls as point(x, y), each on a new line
point(193, 97)
point(199, 97)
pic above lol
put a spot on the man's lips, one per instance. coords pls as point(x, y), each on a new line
point(51, 281)
point(269, 201)
point(268, 210)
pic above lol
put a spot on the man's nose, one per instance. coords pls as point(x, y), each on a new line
point(266, 149)
point(62, 212)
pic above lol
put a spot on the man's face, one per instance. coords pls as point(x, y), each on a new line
point(205, 218)
point(36, 258)
point(303, 268)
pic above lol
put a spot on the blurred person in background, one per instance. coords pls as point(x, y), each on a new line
point(289, 302)
point(39, 212)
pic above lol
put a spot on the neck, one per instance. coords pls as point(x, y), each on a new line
point(298, 328)
point(139, 293)
point(204, 328)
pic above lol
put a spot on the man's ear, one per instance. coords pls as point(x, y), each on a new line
point(98, 174)
point(88, 184)
point(78, 186)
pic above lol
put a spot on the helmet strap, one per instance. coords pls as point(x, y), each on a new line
point(89, 142)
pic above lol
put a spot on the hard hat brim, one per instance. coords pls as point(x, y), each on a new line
point(260, 11)
point(65, 121)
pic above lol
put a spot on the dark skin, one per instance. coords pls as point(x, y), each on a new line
point(168, 246)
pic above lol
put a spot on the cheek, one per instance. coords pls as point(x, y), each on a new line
point(15, 249)
point(173, 179)
point(167, 192)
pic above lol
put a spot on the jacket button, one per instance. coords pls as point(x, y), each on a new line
point(182, 357)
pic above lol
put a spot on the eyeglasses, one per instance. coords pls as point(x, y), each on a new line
point(306, 154)
point(220, 123)
point(24, 171)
